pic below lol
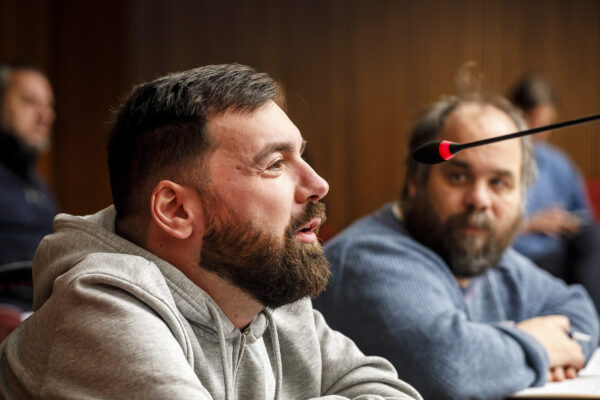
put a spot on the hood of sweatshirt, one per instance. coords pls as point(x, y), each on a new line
point(77, 237)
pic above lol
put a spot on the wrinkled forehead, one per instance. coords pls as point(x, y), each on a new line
point(252, 130)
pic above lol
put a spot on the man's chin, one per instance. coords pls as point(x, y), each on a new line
point(38, 145)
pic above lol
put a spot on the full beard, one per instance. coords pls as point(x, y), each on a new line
point(275, 271)
point(467, 255)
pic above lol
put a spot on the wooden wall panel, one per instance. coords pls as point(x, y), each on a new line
point(25, 30)
point(90, 58)
point(356, 72)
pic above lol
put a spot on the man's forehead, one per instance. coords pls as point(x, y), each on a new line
point(473, 122)
point(267, 125)
point(31, 81)
point(26, 76)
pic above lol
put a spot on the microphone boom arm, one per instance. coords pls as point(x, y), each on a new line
point(436, 152)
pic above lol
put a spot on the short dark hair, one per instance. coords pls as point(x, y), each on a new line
point(160, 129)
point(431, 124)
point(533, 90)
point(7, 69)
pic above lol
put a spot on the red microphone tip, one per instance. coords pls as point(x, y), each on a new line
point(444, 149)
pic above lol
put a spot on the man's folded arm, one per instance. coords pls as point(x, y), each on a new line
point(547, 295)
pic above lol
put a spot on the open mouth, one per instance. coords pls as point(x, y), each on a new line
point(307, 233)
point(311, 225)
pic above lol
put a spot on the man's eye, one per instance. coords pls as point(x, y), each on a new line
point(28, 99)
point(457, 177)
point(499, 183)
point(276, 165)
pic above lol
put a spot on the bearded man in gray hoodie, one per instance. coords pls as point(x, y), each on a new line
point(195, 284)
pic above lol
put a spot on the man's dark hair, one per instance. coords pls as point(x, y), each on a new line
point(160, 129)
point(6, 71)
point(431, 124)
point(531, 91)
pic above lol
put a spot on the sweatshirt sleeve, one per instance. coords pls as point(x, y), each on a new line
point(399, 302)
point(348, 374)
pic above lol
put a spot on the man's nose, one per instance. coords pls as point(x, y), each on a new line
point(311, 186)
point(478, 196)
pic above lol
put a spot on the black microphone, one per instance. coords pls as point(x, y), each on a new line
point(437, 152)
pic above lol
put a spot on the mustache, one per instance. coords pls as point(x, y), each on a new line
point(313, 210)
point(471, 220)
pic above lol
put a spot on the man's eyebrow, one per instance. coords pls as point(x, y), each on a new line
point(504, 172)
point(458, 164)
point(464, 165)
point(274, 147)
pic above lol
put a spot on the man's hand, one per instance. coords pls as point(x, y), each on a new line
point(553, 221)
point(552, 332)
point(558, 374)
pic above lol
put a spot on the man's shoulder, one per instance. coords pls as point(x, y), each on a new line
point(514, 262)
point(514, 270)
point(122, 265)
point(379, 233)
point(104, 272)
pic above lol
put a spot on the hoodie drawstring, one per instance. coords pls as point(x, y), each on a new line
point(276, 353)
point(227, 374)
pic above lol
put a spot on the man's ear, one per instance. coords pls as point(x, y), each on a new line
point(174, 210)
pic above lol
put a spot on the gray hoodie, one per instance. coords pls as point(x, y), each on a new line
point(114, 321)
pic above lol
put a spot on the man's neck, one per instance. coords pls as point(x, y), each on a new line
point(464, 282)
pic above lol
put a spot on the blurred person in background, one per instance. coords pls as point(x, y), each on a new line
point(26, 117)
point(26, 205)
point(559, 232)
